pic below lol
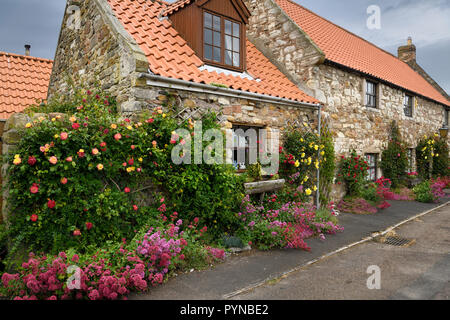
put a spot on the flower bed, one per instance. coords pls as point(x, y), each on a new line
point(111, 273)
point(276, 224)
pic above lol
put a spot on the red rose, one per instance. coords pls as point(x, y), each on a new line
point(133, 147)
point(34, 188)
point(32, 161)
point(51, 204)
point(77, 233)
point(103, 144)
point(64, 180)
point(75, 126)
point(131, 161)
point(135, 208)
point(150, 120)
point(34, 217)
point(89, 225)
point(127, 190)
point(117, 136)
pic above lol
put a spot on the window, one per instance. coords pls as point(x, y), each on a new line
point(221, 40)
point(446, 118)
point(245, 146)
point(371, 94)
point(408, 105)
point(372, 162)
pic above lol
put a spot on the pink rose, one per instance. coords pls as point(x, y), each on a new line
point(64, 135)
point(117, 136)
point(53, 160)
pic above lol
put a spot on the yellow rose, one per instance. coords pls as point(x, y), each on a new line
point(303, 155)
point(130, 128)
point(100, 167)
point(140, 159)
point(72, 119)
point(297, 163)
point(315, 188)
point(28, 125)
point(308, 192)
point(114, 126)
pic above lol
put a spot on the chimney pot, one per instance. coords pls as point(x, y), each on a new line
point(407, 53)
point(27, 49)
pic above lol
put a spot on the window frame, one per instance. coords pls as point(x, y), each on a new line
point(446, 114)
point(408, 107)
point(242, 47)
point(374, 95)
point(369, 167)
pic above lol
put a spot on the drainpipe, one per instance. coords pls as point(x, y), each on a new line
point(319, 111)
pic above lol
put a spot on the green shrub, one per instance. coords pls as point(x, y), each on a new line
point(441, 167)
point(394, 160)
point(74, 183)
point(300, 160)
point(370, 193)
point(424, 157)
point(352, 172)
point(423, 192)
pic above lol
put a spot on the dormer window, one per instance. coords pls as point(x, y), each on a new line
point(221, 41)
point(215, 30)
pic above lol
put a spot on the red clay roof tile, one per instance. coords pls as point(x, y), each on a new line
point(170, 56)
point(345, 48)
point(24, 81)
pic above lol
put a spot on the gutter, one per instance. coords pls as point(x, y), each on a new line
point(170, 83)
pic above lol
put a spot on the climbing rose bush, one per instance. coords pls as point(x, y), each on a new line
point(352, 172)
point(74, 180)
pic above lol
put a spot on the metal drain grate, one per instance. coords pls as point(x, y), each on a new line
point(395, 241)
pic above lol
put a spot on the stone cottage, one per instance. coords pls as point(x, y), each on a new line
point(194, 53)
point(260, 63)
point(363, 87)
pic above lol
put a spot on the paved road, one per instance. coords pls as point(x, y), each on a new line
point(248, 269)
point(420, 271)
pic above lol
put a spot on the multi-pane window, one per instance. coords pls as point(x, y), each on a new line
point(245, 146)
point(408, 105)
point(372, 162)
point(212, 37)
point(232, 43)
point(371, 94)
point(221, 40)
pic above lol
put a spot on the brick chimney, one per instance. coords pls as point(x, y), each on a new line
point(27, 49)
point(407, 53)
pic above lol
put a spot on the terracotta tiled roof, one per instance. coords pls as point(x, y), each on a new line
point(23, 81)
point(170, 56)
point(175, 6)
point(345, 48)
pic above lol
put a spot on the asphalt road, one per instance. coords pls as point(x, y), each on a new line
point(419, 271)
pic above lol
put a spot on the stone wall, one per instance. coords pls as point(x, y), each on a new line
point(279, 38)
point(12, 134)
point(99, 50)
point(367, 129)
point(341, 91)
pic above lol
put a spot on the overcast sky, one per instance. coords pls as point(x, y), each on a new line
point(37, 22)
